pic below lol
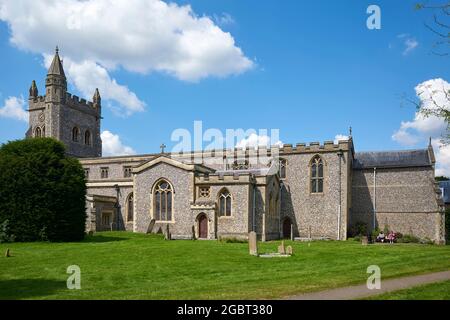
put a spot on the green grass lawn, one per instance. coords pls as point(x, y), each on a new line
point(433, 291)
point(120, 265)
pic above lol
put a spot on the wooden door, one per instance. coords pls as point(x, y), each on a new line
point(203, 227)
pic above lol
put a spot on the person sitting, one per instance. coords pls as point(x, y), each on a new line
point(391, 237)
point(381, 237)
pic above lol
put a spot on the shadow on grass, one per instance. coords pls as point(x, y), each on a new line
point(29, 288)
point(101, 238)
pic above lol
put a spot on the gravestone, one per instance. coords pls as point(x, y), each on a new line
point(364, 241)
point(289, 250)
point(281, 248)
point(252, 244)
point(167, 233)
point(150, 226)
point(7, 254)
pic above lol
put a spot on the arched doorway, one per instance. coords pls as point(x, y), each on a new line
point(202, 226)
point(287, 228)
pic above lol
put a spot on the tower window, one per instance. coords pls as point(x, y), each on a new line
point(75, 134)
point(127, 172)
point(104, 172)
point(86, 173)
point(38, 132)
point(87, 138)
point(282, 169)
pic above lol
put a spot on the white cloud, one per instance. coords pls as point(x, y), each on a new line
point(442, 153)
point(432, 95)
point(113, 146)
point(149, 35)
point(224, 19)
point(14, 109)
point(410, 132)
point(88, 75)
point(255, 141)
point(410, 45)
point(339, 137)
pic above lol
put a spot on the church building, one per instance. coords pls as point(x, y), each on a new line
point(315, 190)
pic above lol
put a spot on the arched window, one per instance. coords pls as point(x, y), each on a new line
point(43, 131)
point(224, 203)
point(75, 133)
point(282, 168)
point(130, 207)
point(316, 175)
point(38, 132)
point(87, 138)
point(162, 196)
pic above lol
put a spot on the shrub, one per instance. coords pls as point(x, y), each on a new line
point(408, 238)
point(233, 240)
point(42, 191)
point(358, 229)
point(375, 233)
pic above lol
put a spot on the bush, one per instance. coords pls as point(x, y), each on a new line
point(375, 233)
point(357, 229)
point(408, 238)
point(42, 191)
point(233, 240)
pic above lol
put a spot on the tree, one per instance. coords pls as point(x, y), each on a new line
point(42, 191)
point(441, 178)
point(440, 26)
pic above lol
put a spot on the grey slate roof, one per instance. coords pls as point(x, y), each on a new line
point(392, 159)
point(445, 187)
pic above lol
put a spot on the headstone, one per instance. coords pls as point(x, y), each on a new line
point(167, 233)
point(7, 254)
point(252, 244)
point(364, 241)
point(150, 226)
point(281, 248)
point(292, 232)
point(289, 250)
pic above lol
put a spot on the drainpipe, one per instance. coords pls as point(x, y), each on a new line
point(116, 186)
point(340, 154)
point(254, 208)
point(374, 197)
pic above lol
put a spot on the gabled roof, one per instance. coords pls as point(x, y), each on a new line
point(174, 163)
point(392, 159)
point(56, 68)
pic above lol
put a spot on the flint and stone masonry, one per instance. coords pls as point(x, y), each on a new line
point(304, 190)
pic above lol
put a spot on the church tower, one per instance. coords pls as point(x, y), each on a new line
point(63, 116)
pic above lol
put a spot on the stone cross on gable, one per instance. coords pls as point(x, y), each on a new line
point(163, 146)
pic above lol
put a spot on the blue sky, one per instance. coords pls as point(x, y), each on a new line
point(317, 69)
